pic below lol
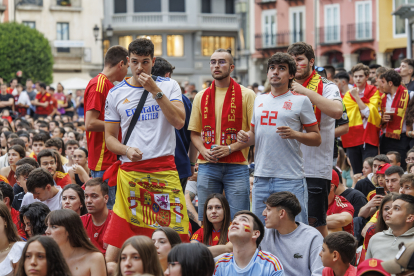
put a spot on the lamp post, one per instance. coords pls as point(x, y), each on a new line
point(109, 33)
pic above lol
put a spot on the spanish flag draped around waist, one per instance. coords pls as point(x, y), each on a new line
point(357, 135)
point(149, 196)
point(400, 103)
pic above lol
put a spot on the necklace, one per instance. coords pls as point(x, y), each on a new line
point(8, 247)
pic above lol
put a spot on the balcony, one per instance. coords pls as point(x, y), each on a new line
point(278, 40)
point(268, 4)
point(361, 32)
point(66, 5)
point(30, 5)
point(330, 35)
point(67, 54)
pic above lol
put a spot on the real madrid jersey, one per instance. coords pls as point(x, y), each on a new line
point(153, 135)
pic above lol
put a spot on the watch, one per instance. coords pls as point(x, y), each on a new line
point(158, 96)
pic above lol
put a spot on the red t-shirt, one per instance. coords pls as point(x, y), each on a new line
point(16, 220)
point(52, 104)
point(340, 205)
point(96, 233)
point(62, 179)
point(100, 158)
point(351, 271)
point(43, 98)
point(199, 235)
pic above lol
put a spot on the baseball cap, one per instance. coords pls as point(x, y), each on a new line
point(371, 265)
point(335, 178)
point(382, 168)
point(403, 261)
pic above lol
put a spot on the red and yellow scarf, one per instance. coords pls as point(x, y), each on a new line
point(400, 102)
point(231, 119)
point(314, 83)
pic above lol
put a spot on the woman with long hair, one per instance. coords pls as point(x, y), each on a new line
point(11, 245)
point(138, 256)
point(216, 221)
point(79, 173)
point(82, 257)
point(15, 153)
point(73, 198)
point(32, 218)
point(189, 259)
point(165, 239)
point(42, 257)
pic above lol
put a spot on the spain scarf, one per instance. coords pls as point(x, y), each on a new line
point(148, 196)
point(357, 135)
point(231, 119)
point(400, 102)
point(314, 83)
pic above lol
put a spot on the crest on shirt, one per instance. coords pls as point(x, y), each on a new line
point(287, 105)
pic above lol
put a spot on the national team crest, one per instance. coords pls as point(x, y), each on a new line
point(287, 105)
point(229, 136)
point(208, 135)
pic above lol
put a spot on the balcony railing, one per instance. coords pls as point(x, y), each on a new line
point(278, 40)
point(264, 1)
point(31, 2)
point(361, 32)
point(330, 35)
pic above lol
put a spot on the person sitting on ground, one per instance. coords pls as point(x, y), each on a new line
point(38, 144)
point(366, 170)
point(82, 257)
point(368, 184)
point(41, 188)
point(73, 198)
point(340, 211)
point(296, 243)
point(400, 219)
point(22, 172)
point(216, 221)
point(57, 145)
point(190, 200)
point(58, 132)
point(7, 192)
point(245, 233)
point(79, 173)
point(32, 218)
point(371, 267)
point(48, 160)
point(99, 216)
point(70, 148)
point(15, 153)
point(165, 238)
point(338, 250)
point(395, 158)
point(138, 256)
point(41, 256)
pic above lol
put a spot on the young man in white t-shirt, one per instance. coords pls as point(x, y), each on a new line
point(276, 129)
point(41, 188)
point(326, 98)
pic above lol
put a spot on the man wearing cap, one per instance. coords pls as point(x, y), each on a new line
point(340, 211)
point(403, 264)
point(400, 219)
point(371, 267)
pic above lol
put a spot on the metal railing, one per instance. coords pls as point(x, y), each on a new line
point(330, 35)
point(277, 40)
point(364, 31)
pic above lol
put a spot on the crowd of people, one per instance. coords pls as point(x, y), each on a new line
point(310, 174)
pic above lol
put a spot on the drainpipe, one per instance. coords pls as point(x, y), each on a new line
point(409, 28)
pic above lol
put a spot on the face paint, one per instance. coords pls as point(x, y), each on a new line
point(246, 228)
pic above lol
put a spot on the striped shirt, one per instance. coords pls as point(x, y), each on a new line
point(262, 263)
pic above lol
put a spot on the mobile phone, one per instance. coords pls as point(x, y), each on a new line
point(380, 190)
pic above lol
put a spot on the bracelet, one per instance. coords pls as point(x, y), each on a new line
point(229, 149)
point(127, 150)
point(192, 164)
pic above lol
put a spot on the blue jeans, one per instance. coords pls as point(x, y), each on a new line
point(111, 192)
point(232, 178)
point(263, 187)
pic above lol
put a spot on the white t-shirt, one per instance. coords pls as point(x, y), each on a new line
point(24, 98)
point(15, 253)
point(54, 203)
point(153, 134)
point(318, 160)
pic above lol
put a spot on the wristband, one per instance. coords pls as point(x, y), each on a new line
point(229, 149)
point(127, 150)
point(192, 164)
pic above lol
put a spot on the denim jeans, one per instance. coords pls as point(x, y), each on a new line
point(232, 178)
point(111, 192)
point(263, 187)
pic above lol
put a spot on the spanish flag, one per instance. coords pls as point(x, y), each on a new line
point(357, 135)
point(149, 196)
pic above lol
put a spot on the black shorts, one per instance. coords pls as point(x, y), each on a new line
point(318, 191)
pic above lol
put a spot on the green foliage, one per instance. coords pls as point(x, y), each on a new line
point(25, 49)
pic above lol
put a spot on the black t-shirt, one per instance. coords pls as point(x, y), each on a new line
point(340, 122)
point(410, 86)
point(365, 186)
point(5, 98)
point(17, 201)
point(356, 198)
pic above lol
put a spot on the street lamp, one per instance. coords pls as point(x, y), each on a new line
point(109, 33)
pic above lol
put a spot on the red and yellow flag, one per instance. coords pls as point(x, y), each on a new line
point(149, 196)
point(357, 135)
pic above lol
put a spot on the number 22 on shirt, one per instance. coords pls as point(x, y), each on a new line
point(267, 117)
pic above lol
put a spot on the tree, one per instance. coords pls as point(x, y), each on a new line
point(25, 49)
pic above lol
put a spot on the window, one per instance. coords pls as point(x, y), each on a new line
point(177, 5)
point(363, 28)
point(124, 41)
point(157, 40)
point(147, 6)
point(62, 33)
point(269, 28)
point(63, 2)
point(210, 43)
point(206, 6)
point(120, 6)
point(175, 45)
point(297, 20)
point(30, 24)
point(399, 23)
point(230, 6)
point(332, 20)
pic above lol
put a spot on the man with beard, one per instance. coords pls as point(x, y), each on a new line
point(327, 105)
point(219, 113)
